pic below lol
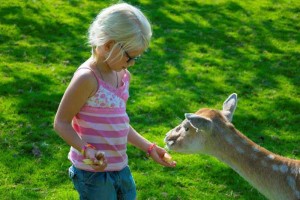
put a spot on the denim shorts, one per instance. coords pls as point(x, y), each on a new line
point(116, 185)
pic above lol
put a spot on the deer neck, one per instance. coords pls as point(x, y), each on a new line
point(274, 176)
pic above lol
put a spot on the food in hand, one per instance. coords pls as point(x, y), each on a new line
point(87, 161)
point(100, 158)
point(167, 158)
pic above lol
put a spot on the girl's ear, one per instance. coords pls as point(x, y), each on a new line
point(109, 45)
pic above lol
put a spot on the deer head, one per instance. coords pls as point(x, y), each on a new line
point(195, 134)
point(210, 132)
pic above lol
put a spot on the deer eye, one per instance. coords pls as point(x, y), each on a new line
point(186, 128)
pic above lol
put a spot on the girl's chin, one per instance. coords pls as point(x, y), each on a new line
point(119, 70)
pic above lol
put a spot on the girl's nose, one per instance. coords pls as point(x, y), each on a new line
point(131, 63)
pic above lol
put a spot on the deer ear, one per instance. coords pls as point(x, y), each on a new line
point(199, 122)
point(229, 106)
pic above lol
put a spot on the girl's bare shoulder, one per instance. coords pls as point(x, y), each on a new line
point(85, 79)
point(85, 75)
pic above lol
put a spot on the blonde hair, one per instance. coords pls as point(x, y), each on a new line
point(123, 23)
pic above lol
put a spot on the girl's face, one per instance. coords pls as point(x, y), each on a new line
point(121, 59)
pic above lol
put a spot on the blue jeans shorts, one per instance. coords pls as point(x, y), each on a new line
point(116, 185)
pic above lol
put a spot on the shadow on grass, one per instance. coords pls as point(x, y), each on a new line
point(251, 50)
point(258, 35)
point(27, 135)
point(40, 36)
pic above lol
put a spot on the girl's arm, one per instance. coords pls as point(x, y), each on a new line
point(77, 93)
point(140, 142)
point(82, 86)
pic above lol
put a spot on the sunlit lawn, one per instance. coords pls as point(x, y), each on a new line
point(201, 52)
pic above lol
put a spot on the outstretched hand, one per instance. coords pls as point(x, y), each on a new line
point(158, 154)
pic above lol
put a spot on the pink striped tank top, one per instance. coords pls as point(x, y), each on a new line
point(104, 123)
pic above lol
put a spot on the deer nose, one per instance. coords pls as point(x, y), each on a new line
point(171, 137)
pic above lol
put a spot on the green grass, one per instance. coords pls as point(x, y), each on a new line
point(201, 52)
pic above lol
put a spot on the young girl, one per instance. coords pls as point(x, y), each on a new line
point(92, 116)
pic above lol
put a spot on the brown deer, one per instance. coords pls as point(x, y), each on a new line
point(211, 132)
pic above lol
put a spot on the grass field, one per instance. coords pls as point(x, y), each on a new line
point(201, 52)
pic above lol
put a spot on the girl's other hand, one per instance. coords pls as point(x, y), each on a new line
point(99, 162)
point(158, 155)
